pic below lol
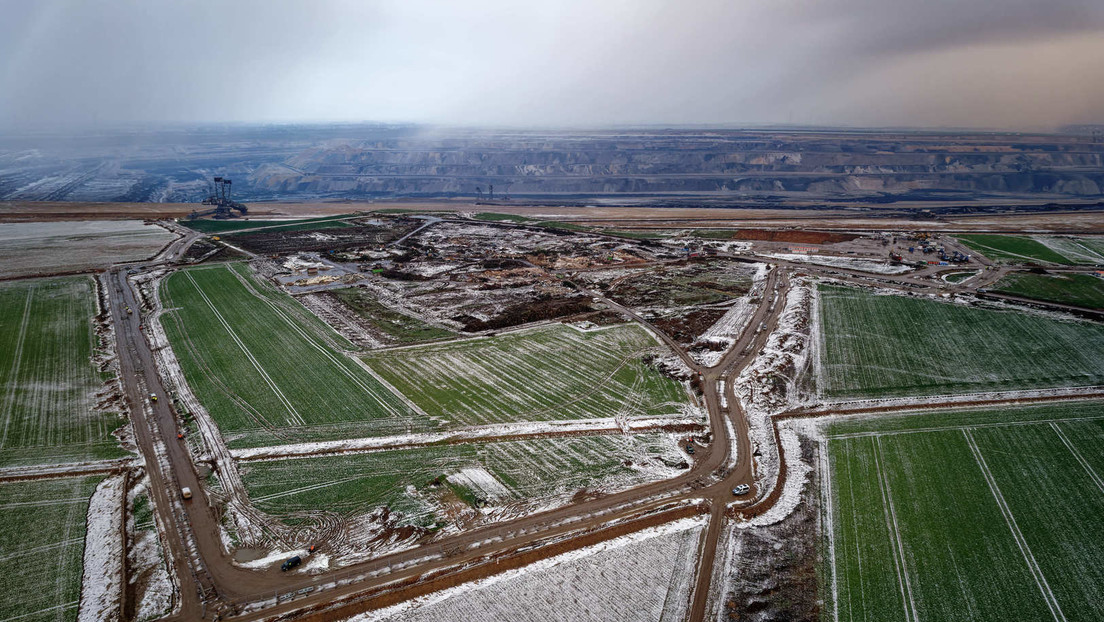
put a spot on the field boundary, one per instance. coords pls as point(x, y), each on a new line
point(477, 434)
point(965, 426)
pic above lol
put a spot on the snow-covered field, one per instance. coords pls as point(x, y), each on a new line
point(643, 577)
point(552, 372)
point(50, 247)
point(852, 263)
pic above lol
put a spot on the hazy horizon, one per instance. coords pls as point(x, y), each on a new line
point(1029, 65)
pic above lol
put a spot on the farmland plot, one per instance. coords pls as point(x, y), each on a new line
point(410, 481)
point(874, 345)
point(48, 404)
point(1079, 250)
point(267, 371)
point(1082, 290)
point(983, 515)
point(1058, 504)
point(552, 373)
point(42, 548)
point(643, 577)
point(40, 248)
point(1013, 249)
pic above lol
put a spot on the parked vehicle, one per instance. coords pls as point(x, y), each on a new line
point(291, 563)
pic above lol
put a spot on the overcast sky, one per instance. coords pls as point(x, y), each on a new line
point(1032, 64)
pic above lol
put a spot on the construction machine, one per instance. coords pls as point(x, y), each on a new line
point(219, 199)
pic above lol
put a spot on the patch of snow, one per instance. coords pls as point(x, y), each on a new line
point(102, 583)
point(690, 415)
point(317, 562)
point(797, 473)
point(159, 592)
point(274, 557)
point(640, 576)
point(299, 262)
point(852, 263)
point(146, 557)
point(726, 330)
point(480, 480)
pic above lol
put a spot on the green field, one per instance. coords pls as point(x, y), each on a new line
point(267, 370)
point(876, 345)
point(1013, 249)
point(399, 327)
point(554, 372)
point(235, 225)
point(48, 410)
point(42, 548)
point(974, 515)
point(1082, 290)
point(403, 480)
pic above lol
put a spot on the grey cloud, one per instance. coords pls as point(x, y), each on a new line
point(570, 62)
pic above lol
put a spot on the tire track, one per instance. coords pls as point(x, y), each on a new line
point(894, 529)
point(338, 363)
point(296, 418)
point(1017, 535)
point(13, 374)
point(1076, 454)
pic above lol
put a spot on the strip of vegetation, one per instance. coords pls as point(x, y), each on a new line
point(958, 277)
point(904, 422)
point(496, 217)
point(235, 225)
